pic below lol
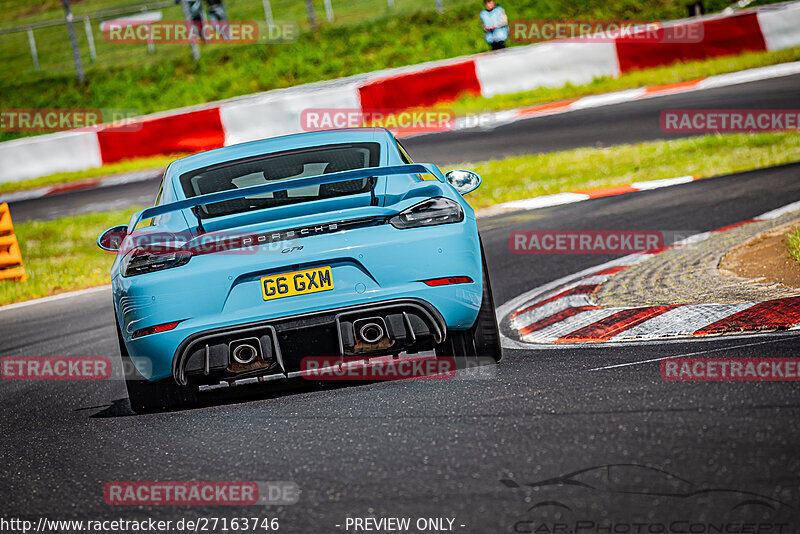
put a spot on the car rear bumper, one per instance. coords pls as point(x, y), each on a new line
point(313, 333)
point(221, 293)
point(281, 344)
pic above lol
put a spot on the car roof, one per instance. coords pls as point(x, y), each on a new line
point(277, 144)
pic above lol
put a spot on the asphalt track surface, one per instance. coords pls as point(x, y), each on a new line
point(630, 122)
point(441, 448)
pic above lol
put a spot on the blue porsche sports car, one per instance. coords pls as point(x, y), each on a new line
point(329, 243)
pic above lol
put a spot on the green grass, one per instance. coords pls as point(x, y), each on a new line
point(472, 104)
point(794, 245)
point(55, 55)
point(371, 39)
point(18, 12)
point(233, 71)
point(675, 73)
point(529, 176)
point(154, 162)
point(21, 12)
point(61, 255)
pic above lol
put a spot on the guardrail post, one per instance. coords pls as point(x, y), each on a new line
point(312, 15)
point(34, 52)
point(76, 53)
point(268, 14)
point(87, 26)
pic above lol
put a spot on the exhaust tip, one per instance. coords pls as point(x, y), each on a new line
point(244, 351)
point(371, 332)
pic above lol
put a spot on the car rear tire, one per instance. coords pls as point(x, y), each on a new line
point(483, 338)
point(147, 396)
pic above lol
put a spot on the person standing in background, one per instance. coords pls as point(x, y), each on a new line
point(216, 10)
point(495, 24)
point(216, 16)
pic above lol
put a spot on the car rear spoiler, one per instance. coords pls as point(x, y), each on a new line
point(342, 176)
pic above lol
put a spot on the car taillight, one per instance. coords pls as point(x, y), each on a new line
point(449, 280)
point(431, 212)
point(141, 260)
point(154, 329)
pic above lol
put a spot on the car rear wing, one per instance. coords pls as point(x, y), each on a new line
point(342, 176)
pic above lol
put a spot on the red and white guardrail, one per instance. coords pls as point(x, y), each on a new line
point(273, 113)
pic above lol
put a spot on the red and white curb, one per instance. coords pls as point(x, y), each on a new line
point(563, 312)
point(558, 199)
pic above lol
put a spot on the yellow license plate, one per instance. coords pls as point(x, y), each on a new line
point(296, 283)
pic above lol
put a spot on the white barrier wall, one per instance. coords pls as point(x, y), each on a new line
point(31, 157)
point(780, 27)
point(545, 65)
point(279, 112)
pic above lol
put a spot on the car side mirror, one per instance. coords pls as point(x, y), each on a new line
point(464, 181)
point(111, 239)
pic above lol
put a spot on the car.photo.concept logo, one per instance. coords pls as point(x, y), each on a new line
point(630, 498)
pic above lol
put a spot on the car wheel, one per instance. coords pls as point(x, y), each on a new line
point(147, 396)
point(483, 338)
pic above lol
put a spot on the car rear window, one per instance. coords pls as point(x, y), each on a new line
point(277, 167)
